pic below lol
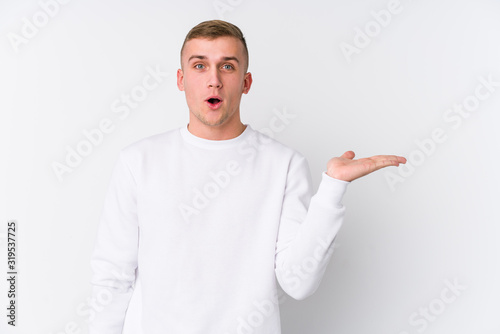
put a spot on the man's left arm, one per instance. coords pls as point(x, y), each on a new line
point(309, 225)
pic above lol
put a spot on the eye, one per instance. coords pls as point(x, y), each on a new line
point(227, 66)
point(199, 66)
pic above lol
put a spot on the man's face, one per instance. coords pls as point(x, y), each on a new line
point(213, 78)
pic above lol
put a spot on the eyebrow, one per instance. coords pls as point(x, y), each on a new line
point(204, 57)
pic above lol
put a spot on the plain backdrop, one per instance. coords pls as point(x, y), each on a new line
point(352, 83)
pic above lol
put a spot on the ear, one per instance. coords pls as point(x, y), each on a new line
point(247, 83)
point(180, 79)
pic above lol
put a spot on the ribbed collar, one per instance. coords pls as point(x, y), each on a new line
point(214, 144)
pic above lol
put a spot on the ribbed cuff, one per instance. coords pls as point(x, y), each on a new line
point(331, 190)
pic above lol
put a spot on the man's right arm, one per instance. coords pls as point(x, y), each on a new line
point(114, 260)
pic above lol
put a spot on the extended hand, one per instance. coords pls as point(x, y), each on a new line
point(346, 169)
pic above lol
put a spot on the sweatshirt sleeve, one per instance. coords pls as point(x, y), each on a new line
point(114, 259)
point(308, 227)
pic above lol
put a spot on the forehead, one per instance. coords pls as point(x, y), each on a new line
point(226, 46)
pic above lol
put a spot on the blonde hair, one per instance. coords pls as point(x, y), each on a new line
point(213, 29)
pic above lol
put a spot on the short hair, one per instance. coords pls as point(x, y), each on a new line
point(213, 29)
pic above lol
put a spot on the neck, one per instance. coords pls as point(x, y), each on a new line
point(217, 132)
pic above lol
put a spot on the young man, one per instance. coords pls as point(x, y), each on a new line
point(214, 215)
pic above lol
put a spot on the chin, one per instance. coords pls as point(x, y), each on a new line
point(214, 121)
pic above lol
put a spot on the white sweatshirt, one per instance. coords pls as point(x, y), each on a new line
point(211, 227)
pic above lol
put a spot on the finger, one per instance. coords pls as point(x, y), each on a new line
point(398, 159)
point(348, 155)
point(385, 161)
point(393, 158)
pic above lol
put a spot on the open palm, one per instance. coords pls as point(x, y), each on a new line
point(347, 169)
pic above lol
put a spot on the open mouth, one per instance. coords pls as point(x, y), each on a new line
point(214, 102)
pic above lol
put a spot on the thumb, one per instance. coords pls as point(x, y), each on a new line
point(348, 155)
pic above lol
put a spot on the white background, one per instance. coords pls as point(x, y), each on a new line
point(399, 244)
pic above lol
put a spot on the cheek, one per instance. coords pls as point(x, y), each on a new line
point(191, 81)
point(189, 93)
point(236, 85)
point(191, 97)
point(190, 88)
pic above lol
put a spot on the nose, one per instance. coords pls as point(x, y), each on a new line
point(214, 79)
